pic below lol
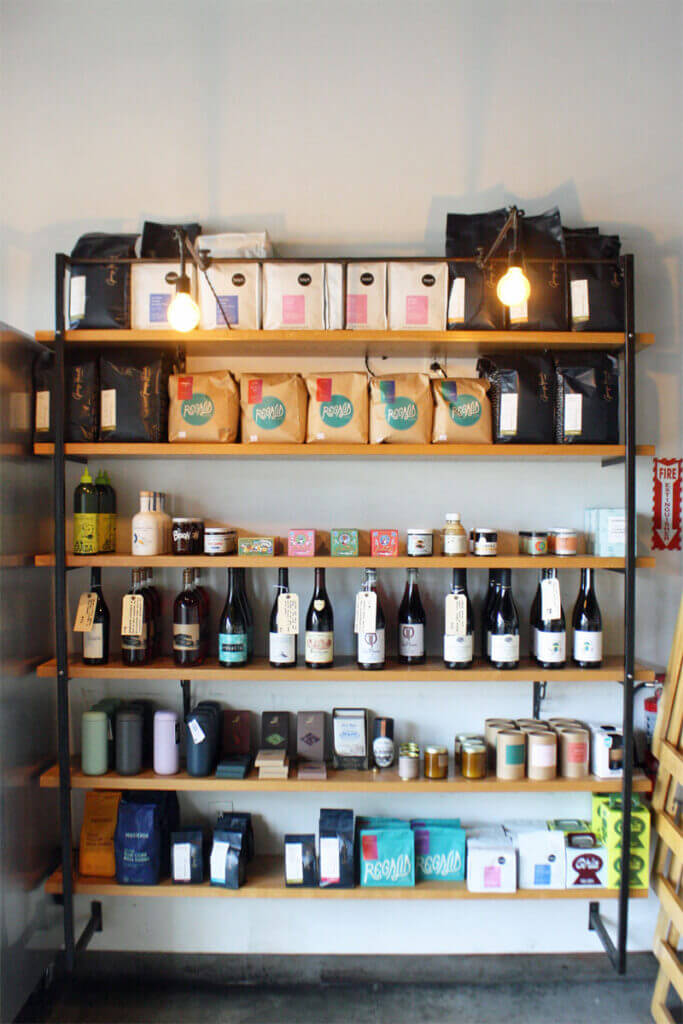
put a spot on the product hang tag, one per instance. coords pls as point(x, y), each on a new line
point(456, 615)
point(551, 606)
point(181, 862)
point(366, 612)
point(288, 614)
point(508, 413)
point(294, 863)
point(579, 300)
point(573, 409)
point(456, 302)
point(77, 298)
point(42, 410)
point(108, 408)
point(85, 613)
point(196, 732)
point(132, 615)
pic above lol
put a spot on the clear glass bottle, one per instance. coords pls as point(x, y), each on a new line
point(281, 646)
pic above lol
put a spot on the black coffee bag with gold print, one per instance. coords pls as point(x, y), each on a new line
point(99, 293)
point(522, 386)
point(586, 398)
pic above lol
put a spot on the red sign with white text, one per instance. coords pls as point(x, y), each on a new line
point(666, 512)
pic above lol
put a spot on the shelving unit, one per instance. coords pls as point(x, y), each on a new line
point(266, 875)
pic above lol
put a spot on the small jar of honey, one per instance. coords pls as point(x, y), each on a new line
point(436, 762)
point(473, 760)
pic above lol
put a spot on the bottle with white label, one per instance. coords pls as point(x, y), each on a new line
point(147, 537)
point(371, 642)
point(411, 624)
point(281, 646)
point(587, 624)
point(551, 629)
point(319, 626)
point(96, 640)
point(503, 625)
point(135, 646)
point(454, 536)
point(458, 643)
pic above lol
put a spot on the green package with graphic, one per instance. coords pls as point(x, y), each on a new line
point(387, 857)
point(439, 853)
point(344, 542)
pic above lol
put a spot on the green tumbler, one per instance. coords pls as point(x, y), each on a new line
point(94, 752)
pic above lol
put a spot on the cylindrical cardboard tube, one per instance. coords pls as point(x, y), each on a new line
point(510, 754)
point(541, 754)
point(574, 753)
point(492, 727)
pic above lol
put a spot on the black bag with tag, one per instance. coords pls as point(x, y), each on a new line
point(541, 238)
point(521, 396)
point(596, 290)
point(81, 402)
point(158, 241)
point(586, 398)
point(473, 303)
point(100, 292)
point(134, 396)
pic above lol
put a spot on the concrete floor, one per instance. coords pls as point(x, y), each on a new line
point(327, 990)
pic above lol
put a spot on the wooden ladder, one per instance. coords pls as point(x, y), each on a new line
point(667, 746)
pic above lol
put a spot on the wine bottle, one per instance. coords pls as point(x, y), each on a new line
point(135, 649)
point(491, 592)
point(281, 646)
point(319, 626)
point(551, 629)
point(205, 614)
point(232, 631)
point(371, 646)
point(96, 641)
point(246, 609)
point(187, 623)
point(411, 624)
point(503, 626)
point(458, 648)
point(150, 594)
point(534, 614)
point(587, 624)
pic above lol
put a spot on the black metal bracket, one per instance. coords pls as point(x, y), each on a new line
point(540, 691)
point(615, 460)
point(187, 698)
point(596, 924)
point(94, 925)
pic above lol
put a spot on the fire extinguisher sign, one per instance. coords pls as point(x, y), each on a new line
point(666, 512)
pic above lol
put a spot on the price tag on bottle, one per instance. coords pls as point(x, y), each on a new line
point(288, 614)
point(196, 732)
point(132, 615)
point(456, 615)
point(551, 605)
point(85, 613)
point(366, 612)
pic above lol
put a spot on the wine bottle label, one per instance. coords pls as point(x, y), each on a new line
point(383, 751)
point(371, 648)
point(504, 647)
point(551, 647)
point(186, 636)
point(587, 645)
point(411, 640)
point(456, 615)
point(281, 648)
point(129, 642)
point(85, 533)
point(320, 648)
point(458, 648)
point(232, 648)
point(93, 642)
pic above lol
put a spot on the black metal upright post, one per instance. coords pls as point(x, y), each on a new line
point(629, 601)
point(60, 619)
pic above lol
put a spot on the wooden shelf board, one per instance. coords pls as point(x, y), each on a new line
point(122, 561)
point(346, 670)
point(265, 880)
point(350, 781)
point(106, 449)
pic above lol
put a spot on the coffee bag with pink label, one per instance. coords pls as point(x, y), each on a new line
point(204, 407)
point(337, 408)
point(273, 408)
point(366, 296)
point(294, 296)
point(417, 296)
point(401, 409)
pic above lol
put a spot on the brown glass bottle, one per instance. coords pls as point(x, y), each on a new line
point(187, 623)
point(135, 649)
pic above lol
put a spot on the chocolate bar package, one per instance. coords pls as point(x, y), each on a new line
point(236, 732)
point(275, 730)
point(586, 398)
point(301, 865)
point(310, 736)
point(99, 293)
point(335, 835)
point(472, 300)
point(134, 396)
point(521, 396)
point(596, 290)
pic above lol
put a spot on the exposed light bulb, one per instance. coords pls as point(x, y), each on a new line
point(513, 288)
point(183, 312)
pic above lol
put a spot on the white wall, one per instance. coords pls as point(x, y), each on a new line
point(353, 128)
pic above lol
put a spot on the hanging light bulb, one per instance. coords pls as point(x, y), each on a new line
point(513, 288)
point(183, 311)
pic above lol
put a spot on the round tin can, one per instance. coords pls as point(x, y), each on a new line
point(574, 752)
point(541, 754)
point(217, 540)
point(474, 760)
point(419, 542)
point(510, 754)
point(485, 541)
point(408, 762)
point(188, 535)
point(436, 762)
point(563, 542)
point(538, 542)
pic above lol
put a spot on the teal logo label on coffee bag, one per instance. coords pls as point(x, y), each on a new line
point(465, 410)
point(401, 414)
point(337, 412)
point(197, 410)
point(270, 413)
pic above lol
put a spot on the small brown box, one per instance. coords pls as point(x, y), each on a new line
point(310, 736)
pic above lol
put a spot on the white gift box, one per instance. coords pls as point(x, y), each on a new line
point(150, 294)
point(366, 296)
point(491, 863)
point(238, 286)
point(604, 738)
point(417, 296)
point(541, 859)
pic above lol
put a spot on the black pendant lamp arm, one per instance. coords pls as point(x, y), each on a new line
point(201, 260)
point(511, 224)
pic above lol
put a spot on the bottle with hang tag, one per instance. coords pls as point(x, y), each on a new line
point(371, 631)
point(85, 516)
point(136, 616)
point(503, 626)
point(551, 633)
point(587, 624)
point(282, 647)
point(458, 639)
point(96, 639)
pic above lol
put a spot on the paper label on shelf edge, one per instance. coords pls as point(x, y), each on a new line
point(108, 408)
point(366, 612)
point(294, 863)
point(508, 413)
point(456, 302)
point(456, 615)
point(85, 613)
point(329, 859)
point(181, 862)
point(573, 413)
point(42, 410)
point(197, 733)
point(132, 614)
point(551, 605)
point(288, 614)
point(579, 300)
point(77, 298)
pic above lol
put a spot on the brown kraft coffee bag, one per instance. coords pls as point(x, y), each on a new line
point(204, 407)
point(337, 408)
point(273, 408)
point(401, 409)
point(462, 411)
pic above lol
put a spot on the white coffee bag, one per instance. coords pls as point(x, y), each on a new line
point(238, 286)
point(417, 296)
point(151, 294)
point(294, 296)
point(366, 296)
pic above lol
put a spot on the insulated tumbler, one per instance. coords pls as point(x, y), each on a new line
point(129, 724)
point(94, 753)
point(166, 743)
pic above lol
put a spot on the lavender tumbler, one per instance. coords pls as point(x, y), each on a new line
point(166, 743)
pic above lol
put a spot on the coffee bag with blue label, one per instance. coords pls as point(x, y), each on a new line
point(337, 408)
point(462, 411)
point(273, 408)
point(401, 409)
point(204, 407)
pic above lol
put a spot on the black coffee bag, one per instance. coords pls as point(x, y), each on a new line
point(596, 290)
point(473, 303)
point(81, 410)
point(159, 243)
point(134, 396)
point(521, 396)
point(586, 398)
point(100, 292)
point(541, 238)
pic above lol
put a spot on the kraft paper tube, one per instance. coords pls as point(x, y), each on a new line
point(574, 753)
point(510, 754)
point(541, 754)
point(492, 727)
point(570, 723)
